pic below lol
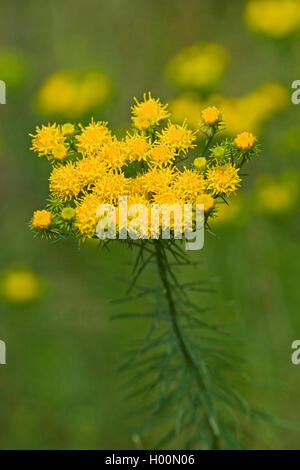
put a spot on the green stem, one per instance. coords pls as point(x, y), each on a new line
point(161, 259)
point(207, 143)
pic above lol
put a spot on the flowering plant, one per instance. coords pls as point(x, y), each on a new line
point(158, 162)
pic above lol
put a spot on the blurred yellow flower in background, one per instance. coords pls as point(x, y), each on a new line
point(249, 111)
point(198, 66)
point(279, 195)
point(275, 18)
point(289, 140)
point(20, 286)
point(71, 94)
point(235, 213)
point(188, 105)
point(13, 68)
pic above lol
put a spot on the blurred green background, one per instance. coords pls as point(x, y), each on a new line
point(59, 388)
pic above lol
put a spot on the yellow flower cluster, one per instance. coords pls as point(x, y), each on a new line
point(146, 166)
point(71, 94)
point(198, 66)
point(274, 18)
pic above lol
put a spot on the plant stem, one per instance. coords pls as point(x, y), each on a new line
point(161, 259)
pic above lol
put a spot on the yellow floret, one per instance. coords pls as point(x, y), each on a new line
point(93, 138)
point(137, 147)
point(149, 112)
point(90, 170)
point(46, 139)
point(86, 218)
point(161, 155)
point(156, 181)
point(188, 185)
point(178, 137)
point(210, 115)
point(65, 181)
point(223, 179)
point(68, 128)
point(68, 213)
point(245, 140)
point(41, 220)
point(114, 154)
point(60, 152)
point(200, 163)
point(111, 186)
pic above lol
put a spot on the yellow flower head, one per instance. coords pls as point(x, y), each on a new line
point(138, 147)
point(46, 139)
point(89, 170)
point(65, 181)
point(200, 163)
point(41, 220)
point(86, 218)
point(161, 155)
point(114, 154)
point(68, 128)
point(134, 198)
point(111, 186)
point(148, 113)
point(223, 179)
point(245, 140)
point(275, 18)
point(59, 152)
point(277, 195)
point(93, 137)
point(156, 181)
point(20, 286)
point(177, 137)
point(198, 66)
point(210, 115)
point(166, 198)
point(68, 214)
point(188, 185)
point(207, 200)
